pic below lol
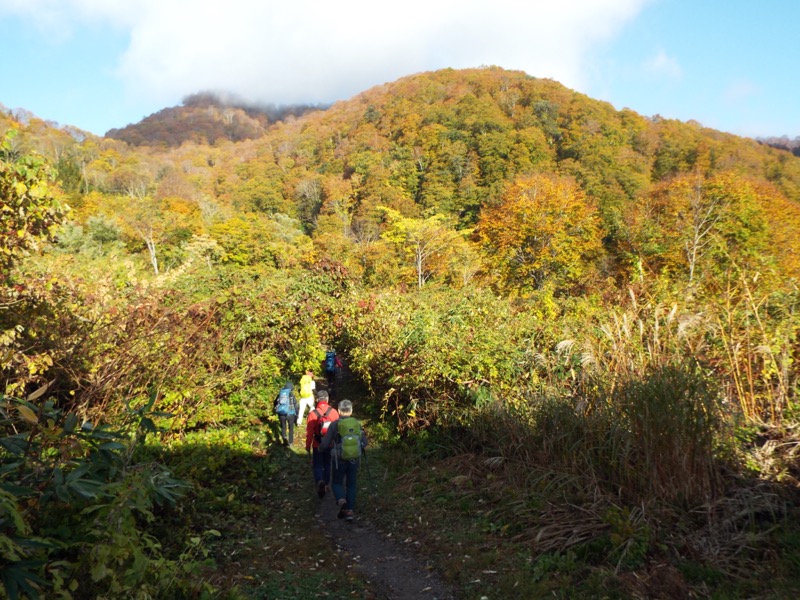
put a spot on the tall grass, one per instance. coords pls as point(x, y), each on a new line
point(663, 435)
point(655, 440)
point(758, 335)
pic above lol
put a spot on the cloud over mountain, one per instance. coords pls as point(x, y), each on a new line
point(316, 51)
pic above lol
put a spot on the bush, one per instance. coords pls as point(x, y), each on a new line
point(651, 440)
point(77, 513)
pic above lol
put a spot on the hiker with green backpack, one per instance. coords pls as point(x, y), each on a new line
point(347, 440)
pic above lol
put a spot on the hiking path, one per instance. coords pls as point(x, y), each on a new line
point(391, 566)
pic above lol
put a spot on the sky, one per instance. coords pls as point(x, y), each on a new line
point(103, 64)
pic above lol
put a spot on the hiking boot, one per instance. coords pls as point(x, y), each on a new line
point(342, 509)
point(321, 487)
point(348, 515)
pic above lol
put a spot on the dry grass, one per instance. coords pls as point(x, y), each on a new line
point(488, 513)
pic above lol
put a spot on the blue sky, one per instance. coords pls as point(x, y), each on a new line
point(100, 64)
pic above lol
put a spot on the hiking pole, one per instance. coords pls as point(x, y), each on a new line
point(366, 466)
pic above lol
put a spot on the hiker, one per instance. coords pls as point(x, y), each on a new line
point(319, 421)
point(332, 364)
point(286, 409)
point(347, 440)
point(307, 387)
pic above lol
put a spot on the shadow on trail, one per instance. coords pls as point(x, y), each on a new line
point(391, 568)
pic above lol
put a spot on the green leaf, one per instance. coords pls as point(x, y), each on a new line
point(9, 467)
point(69, 423)
point(15, 444)
point(111, 446)
point(17, 575)
point(100, 571)
point(17, 490)
point(86, 488)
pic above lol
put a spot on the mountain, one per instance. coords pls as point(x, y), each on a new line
point(783, 143)
point(205, 117)
point(448, 144)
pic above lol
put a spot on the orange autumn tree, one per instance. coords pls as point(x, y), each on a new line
point(544, 231)
point(699, 226)
point(782, 218)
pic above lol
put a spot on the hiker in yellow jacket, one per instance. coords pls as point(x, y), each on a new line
point(307, 387)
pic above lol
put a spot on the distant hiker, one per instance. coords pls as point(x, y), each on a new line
point(332, 364)
point(307, 387)
point(286, 409)
point(348, 440)
point(319, 421)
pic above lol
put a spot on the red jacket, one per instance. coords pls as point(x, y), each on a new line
point(322, 409)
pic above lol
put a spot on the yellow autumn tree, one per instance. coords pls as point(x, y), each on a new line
point(544, 230)
point(783, 222)
point(424, 241)
point(695, 225)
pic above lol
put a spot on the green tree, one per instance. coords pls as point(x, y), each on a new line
point(694, 225)
point(31, 206)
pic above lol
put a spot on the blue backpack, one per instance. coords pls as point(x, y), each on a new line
point(284, 405)
point(330, 361)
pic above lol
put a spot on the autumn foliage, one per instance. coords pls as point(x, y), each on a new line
point(493, 253)
point(544, 230)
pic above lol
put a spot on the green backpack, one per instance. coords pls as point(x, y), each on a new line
point(349, 430)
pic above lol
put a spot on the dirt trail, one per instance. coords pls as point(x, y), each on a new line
point(393, 571)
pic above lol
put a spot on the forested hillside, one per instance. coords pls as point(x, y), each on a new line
point(205, 118)
point(784, 143)
point(599, 307)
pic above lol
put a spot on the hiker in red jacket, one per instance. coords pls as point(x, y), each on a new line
point(318, 421)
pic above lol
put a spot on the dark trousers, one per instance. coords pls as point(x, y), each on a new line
point(331, 377)
point(345, 473)
point(321, 465)
point(287, 420)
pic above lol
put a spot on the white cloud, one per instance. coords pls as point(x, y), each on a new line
point(321, 51)
point(663, 65)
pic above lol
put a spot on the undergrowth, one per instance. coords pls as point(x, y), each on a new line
point(550, 500)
